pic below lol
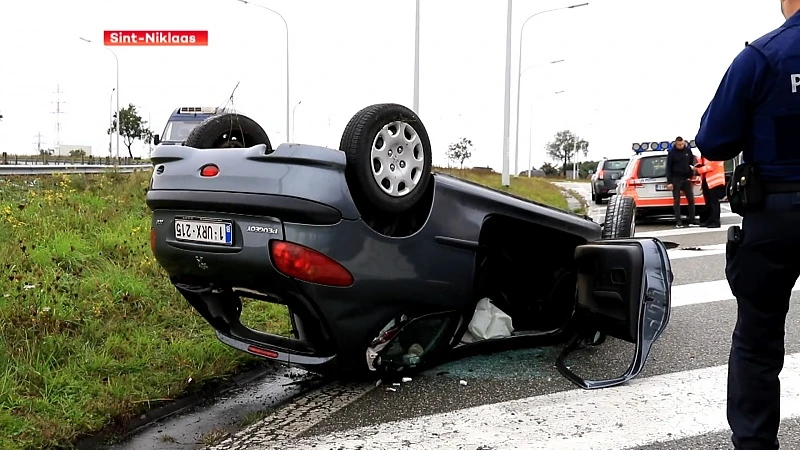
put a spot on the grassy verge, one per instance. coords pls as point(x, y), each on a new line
point(91, 332)
point(536, 189)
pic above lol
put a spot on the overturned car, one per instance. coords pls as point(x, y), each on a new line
point(384, 264)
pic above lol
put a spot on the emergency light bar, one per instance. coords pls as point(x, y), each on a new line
point(657, 146)
point(197, 110)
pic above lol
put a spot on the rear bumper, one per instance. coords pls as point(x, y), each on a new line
point(332, 326)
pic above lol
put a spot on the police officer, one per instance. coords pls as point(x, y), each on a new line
point(756, 111)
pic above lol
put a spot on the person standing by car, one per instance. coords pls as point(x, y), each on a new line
point(713, 175)
point(755, 112)
point(680, 169)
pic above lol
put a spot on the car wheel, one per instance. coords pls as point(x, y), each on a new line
point(620, 221)
point(598, 199)
point(388, 156)
point(229, 130)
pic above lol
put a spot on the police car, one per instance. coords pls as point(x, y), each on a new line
point(182, 121)
point(645, 181)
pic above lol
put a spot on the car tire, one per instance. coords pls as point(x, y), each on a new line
point(598, 199)
point(620, 220)
point(378, 142)
point(229, 130)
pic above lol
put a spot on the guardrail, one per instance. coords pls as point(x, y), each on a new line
point(50, 169)
point(30, 160)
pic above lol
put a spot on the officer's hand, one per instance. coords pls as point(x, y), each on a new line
point(669, 186)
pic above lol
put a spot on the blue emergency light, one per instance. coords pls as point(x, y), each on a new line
point(657, 146)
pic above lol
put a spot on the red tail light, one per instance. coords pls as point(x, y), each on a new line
point(635, 182)
point(209, 171)
point(152, 239)
point(599, 174)
point(301, 262)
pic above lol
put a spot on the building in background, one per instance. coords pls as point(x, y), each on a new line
point(73, 150)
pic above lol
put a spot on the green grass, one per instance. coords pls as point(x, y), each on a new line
point(536, 189)
point(91, 331)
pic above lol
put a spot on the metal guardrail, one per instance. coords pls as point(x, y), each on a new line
point(50, 169)
point(26, 160)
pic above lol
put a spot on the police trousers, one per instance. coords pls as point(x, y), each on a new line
point(761, 271)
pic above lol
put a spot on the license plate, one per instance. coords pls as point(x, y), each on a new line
point(662, 187)
point(205, 231)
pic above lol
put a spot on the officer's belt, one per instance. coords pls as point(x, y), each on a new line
point(781, 188)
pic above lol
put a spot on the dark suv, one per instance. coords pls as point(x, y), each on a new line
point(604, 179)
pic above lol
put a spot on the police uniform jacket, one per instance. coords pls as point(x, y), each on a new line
point(756, 109)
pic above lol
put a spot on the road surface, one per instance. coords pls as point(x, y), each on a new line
point(517, 399)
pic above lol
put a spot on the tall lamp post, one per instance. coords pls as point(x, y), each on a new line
point(506, 179)
point(530, 127)
point(286, 26)
point(110, 120)
point(416, 61)
point(119, 127)
point(519, 75)
point(293, 111)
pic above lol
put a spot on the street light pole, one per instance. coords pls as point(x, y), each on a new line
point(110, 121)
point(286, 26)
point(416, 61)
point(519, 74)
point(530, 127)
point(293, 110)
point(505, 179)
point(117, 89)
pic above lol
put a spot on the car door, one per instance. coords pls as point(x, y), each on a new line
point(623, 291)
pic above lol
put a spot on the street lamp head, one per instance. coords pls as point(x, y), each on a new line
point(84, 39)
point(557, 61)
point(577, 6)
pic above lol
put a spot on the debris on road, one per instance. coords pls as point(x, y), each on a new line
point(463, 383)
point(406, 379)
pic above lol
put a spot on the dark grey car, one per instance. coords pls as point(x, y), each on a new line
point(604, 179)
point(381, 261)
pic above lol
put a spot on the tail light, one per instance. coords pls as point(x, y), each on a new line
point(599, 174)
point(635, 182)
point(152, 239)
point(303, 263)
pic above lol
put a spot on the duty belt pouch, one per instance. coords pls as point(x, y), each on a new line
point(745, 190)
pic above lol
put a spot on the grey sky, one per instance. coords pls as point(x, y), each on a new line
point(634, 69)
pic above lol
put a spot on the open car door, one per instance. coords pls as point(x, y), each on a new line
point(623, 291)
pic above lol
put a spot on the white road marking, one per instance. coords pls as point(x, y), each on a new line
point(647, 410)
point(703, 250)
point(706, 292)
point(684, 231)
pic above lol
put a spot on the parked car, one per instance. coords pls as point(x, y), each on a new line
point(182, 121)
point(644, 182)
point(383, 263)
point(604, 178)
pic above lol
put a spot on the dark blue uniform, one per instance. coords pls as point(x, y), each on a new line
point(756, 111)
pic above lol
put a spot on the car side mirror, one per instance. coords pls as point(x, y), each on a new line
point(156, 139)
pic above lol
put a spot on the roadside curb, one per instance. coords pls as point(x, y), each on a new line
point(116, 433)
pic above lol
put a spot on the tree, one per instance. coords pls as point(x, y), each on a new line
point(548, 169)
point(565, 146)
point(132, 127)
point(77, 153)
point(460, 151)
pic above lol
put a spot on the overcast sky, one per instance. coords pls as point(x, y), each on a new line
point(633, 70)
